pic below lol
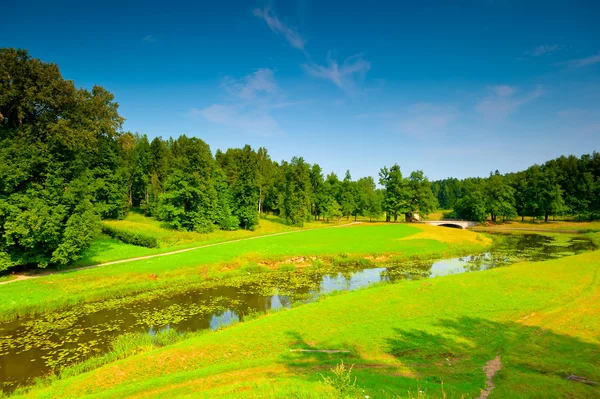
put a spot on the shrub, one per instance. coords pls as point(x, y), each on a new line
point(130, 237)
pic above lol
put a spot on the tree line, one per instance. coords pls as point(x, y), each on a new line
point(66, 164)
point(562, 186)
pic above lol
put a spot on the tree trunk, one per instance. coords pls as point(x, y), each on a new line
point(130, 195)
point(259, 200)
point(522, 218)
point(546, 217)
point(355, 218)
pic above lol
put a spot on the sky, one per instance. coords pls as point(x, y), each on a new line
point(455, 88)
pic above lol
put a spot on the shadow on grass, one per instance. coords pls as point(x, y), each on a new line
point(99, 247)
point(536, 362)
point(447, 360)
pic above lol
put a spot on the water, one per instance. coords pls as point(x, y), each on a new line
point(35, 347)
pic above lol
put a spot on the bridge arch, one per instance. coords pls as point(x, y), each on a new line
point(457, 224)
point(451, 225)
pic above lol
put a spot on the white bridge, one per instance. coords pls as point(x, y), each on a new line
point(458, 224)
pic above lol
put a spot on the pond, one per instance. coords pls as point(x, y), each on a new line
point(35, 347)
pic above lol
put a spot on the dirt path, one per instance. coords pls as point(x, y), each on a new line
point(21, 277)
point(491, 368)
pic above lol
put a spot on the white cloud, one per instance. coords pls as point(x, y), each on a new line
point(426, 120)
point(344, 75)
point(543, 49)
point(149, 39)
point(581, 62)
point(504, 101)
point(249, 121)
point(275, 24)
point(258, 84)
point(250, 101)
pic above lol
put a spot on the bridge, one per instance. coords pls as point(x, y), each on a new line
point(457, 224)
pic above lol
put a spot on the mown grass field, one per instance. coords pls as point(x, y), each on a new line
point(178, 270)
point(106, 249)
point(542, 319)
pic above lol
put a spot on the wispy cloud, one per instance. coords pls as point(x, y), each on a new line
point(543, 49)
point(425, 120)
point(581, 62)
point(249, 121)
point(504, 100)
point(149, 39)
point(291, 35)
point(248, 106)
point(343, 76)
point(258, 84)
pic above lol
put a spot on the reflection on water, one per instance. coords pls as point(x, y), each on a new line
point(35, 347)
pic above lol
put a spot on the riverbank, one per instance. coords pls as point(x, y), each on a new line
point(540, 318)
point(540, 226)
point(379, 242)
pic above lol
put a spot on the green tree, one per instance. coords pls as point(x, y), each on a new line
point(499, 198)
point(158, 169)
point(420, 196)
point(395, 192)
point(140, 171)
point(369, 198)
point(348, 196)
point(297, 195)
point(544, 196)
point(472, 205)
point(318, 190)
point(190, 200)
point(49, 132)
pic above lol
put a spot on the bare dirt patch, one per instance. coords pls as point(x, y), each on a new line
point(491, 368)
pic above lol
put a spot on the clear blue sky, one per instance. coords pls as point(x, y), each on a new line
point(456, 88)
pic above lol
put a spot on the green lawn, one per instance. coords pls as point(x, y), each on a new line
point(106, 249)
point(542, 319)
point(193, 267)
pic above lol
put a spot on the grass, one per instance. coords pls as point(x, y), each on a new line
point(550, 226)
point(542, 318)
point(177, 271)
point(106, 249)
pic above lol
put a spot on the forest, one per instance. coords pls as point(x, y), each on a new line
point(66, 164)
point(563, 186)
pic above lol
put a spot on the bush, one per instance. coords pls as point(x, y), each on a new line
point(449, 215)
point(130, 237)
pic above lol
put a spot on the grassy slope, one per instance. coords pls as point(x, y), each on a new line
point(107, 249)
point(59, 290)
point(542, 318)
